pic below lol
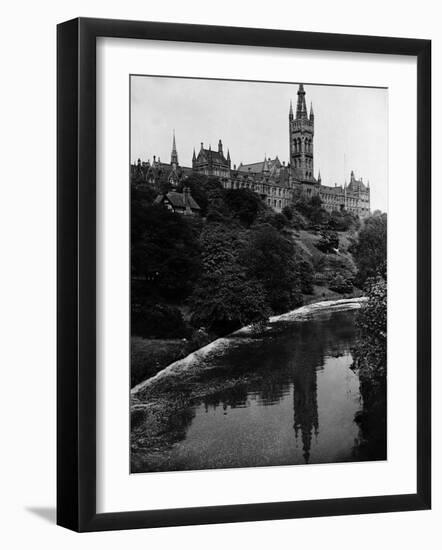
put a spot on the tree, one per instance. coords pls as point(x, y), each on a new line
point(269, 258)
point(370, 249)
point(244, 205)
point(200, 187)
point(343, 220)
point(305, 273)
point(225, 298)
point(312, 209)
point(164, 252)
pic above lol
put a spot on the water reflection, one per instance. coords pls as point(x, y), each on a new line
point(287, 398)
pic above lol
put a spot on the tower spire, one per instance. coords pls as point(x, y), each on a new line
point(312, 116)
point(301, 132)
point(174, 154)
point(301, 109)
point(291, 111)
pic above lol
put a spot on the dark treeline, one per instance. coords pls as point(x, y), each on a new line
point(197, 277)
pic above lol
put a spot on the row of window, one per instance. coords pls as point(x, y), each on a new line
point(297, 163)
point(275, 203)
point(303, 146)
point(278, 191)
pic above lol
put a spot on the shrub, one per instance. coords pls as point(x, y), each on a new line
point(372, 325)
point(288, 212)
point(329, 242)
point(151, 320)
point(338, 283)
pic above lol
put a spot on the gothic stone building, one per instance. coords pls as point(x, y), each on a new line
point(276, 182)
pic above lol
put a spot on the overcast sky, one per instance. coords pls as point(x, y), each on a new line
point(251, 118)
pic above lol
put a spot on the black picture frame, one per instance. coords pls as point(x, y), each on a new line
point(76, 273)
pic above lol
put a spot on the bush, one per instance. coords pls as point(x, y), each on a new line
point(288, 213)
point(306, 275)
point(371, 351)
point(338, 283)
point(151, 320)
point(329, 242)
point(343, 221)
point(312, 209)
point(276, 220)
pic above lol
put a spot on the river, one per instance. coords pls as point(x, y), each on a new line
point(286, 397)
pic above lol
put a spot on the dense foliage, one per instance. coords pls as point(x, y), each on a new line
point(270, 259)
point(157, 320)
point(224, 297)
point(370, 361)
point(240, 262)
point(164, 251)
point(371, 353)
point(370, 250)
point(329, 242)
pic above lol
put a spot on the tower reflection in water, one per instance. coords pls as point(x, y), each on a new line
point(281, 399)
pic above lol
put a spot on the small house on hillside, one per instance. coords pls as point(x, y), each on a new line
point(181, 203)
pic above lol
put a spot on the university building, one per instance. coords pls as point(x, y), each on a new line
point(276, 182)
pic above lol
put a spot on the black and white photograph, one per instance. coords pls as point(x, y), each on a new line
point(258, 273)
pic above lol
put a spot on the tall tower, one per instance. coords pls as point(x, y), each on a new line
point(301, 132)
point(174, 154)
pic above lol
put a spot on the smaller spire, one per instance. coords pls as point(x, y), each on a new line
point(312, 116)
point(174, 154)
point(194, 155)
point(319, 176)
point(291, 111)
point(265, 167)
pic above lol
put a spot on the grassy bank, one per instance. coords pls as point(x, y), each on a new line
point(149, 356)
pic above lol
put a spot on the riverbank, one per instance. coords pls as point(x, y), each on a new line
point(162, 407)
point(189, 363)
point(148, 356)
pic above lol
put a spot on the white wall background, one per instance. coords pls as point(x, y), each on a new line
point(27, 289)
